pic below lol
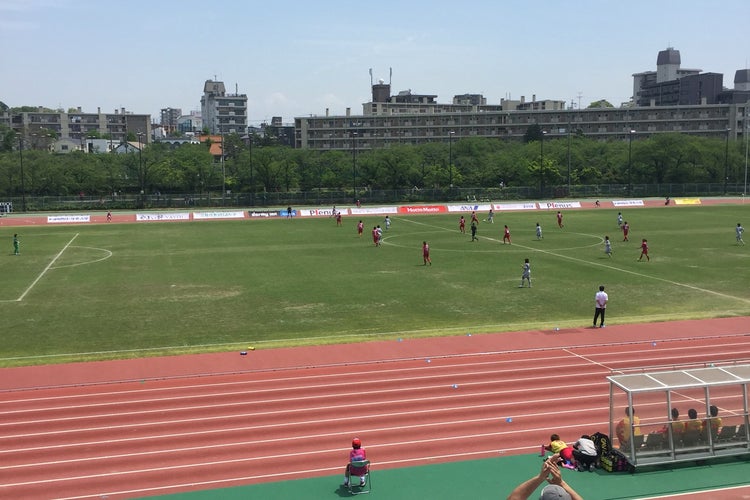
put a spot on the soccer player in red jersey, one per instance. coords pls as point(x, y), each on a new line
point(506, 235)
point(644, 250)
point(426, 253)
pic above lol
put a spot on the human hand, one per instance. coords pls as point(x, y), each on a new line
point(549, 465)
point(554, 474)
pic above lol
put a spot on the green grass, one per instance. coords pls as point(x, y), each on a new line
point(143, 289)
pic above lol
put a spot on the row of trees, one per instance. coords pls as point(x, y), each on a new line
point(539, 161)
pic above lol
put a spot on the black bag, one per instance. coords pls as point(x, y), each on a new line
point(602, 443)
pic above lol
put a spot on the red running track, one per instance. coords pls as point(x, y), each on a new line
point(146, 427)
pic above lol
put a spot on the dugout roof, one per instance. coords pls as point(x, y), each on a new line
point(680, 379)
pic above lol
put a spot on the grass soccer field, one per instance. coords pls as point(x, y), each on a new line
point(127, 290)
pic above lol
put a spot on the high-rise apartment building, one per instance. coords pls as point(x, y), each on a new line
point(223, 113)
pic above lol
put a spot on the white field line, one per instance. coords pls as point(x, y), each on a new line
point(282, 455)
point(49, 266)
point(738, 349)
point(412, 374)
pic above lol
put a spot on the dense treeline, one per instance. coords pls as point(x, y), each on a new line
point(538, 162)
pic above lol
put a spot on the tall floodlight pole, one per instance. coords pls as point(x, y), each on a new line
point(726, 163)
point(541, 164)
point(141, 174)
point(747, 136)
point(568, 159)
point(630, 161)
point(223, 173)
point(354, 164)
point(450, 160)
point(252, 192)
point(23, 185)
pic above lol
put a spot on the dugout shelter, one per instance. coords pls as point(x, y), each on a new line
point(641, 406)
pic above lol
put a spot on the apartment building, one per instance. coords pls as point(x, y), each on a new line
point(77, 125)
point(670, 99)
point(432, 124)
point(221, 112)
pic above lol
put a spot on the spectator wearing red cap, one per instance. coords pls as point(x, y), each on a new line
point(356, 455)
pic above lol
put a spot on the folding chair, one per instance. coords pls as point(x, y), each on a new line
point(354, 487)
point(741, 434)
point(638, 440)
point(726, 433)
point(692, 437)
point(655, 441)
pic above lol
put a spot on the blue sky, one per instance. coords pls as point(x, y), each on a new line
point(296, 58)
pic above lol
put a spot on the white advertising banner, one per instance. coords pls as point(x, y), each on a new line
point(162, 216)
point(67, 219)
point(503, 207)
point(559, 204)
point(321, 212)
point(239, 214)
point(627, 203)
point(373, 210)
point(469, 208)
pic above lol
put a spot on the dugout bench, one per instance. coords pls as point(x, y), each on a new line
point(651, 436)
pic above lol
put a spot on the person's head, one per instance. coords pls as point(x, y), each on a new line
point(554, 437)
point(601, 289)
point(692, 413)
point(738, 224)
point(554, 492)
point(713, 410)
point(606, 237)
point(644, 240)
point(628, 410)
point(675, 413)
point(424, 242)
point(526, 260)
point(585, 436)
point(356, 443)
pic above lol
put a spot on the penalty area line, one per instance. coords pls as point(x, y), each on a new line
point(49, 266)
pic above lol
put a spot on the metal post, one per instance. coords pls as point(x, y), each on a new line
point(747, 136)
point(726, 163)
point(141, 174)
point(450, 160)
point(354, 164)
point(568, 159)
point(541, 164)
point(223, 173)
point(252, 192)
point(23, 185)
point(630, 163)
